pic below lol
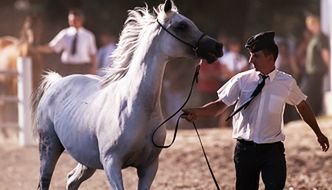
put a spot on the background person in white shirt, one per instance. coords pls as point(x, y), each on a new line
point(258, 127)
point(77, 46)
point(107, 45)
point(233, 61)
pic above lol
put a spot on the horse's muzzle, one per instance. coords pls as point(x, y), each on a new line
point(209, 49)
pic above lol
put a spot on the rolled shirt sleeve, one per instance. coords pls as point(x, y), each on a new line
point(295, 95)
point(229, 93)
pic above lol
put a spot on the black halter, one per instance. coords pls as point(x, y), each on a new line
point(193, 47)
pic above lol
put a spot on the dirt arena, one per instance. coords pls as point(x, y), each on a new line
point(182, 166)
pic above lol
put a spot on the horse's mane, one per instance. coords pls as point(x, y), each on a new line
point(138, 19)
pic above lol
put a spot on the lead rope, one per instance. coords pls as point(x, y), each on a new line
point(195, 79)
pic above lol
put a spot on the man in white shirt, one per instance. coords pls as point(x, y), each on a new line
point(108, 45)
point(233, 61)
point(77, 46)
point(260, 95)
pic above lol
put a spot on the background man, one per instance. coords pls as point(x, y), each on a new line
point(316, 64)
point(77, 46)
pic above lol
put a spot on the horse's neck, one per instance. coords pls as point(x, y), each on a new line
point(146, 73)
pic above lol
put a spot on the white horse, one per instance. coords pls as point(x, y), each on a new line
point(107, 123)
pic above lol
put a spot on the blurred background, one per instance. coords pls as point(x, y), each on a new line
point(238, 17)
point(231, 22)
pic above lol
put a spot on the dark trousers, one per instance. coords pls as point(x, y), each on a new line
point(251, 159)
point(312, 86)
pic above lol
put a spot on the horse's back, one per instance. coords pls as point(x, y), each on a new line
point(7, 41)
point(8, 56)
point(76, 85)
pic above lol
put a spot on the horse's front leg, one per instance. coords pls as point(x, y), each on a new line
point(112, 167)
point(146, 175)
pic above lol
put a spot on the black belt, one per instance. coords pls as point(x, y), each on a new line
point(251, 143)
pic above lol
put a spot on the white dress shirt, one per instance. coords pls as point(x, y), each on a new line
point(85, 47)
point(262, 120)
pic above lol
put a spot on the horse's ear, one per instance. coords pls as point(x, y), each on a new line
point(168, 5)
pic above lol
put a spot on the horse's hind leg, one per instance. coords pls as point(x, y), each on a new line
point(50, 149)
point(78, 175)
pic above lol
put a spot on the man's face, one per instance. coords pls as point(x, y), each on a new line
point(313, 24)
point(259, 60)
point(75, 21)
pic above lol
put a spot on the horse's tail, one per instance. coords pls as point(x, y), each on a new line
point(48, 79)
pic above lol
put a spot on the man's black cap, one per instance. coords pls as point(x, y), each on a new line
point(263, 40)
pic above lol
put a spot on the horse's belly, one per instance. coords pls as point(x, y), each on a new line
point(83, 148)
point(87, 157)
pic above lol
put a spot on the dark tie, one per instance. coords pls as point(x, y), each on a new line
point(74, 44)
point(253, 95)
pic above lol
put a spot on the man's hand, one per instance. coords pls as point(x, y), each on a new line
point(323, 141)
point(189, 115)
point(309, 117)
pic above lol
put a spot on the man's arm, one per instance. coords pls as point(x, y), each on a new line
point(308, 116)
point(208, 110)
point(325, 53)
point(44, 49)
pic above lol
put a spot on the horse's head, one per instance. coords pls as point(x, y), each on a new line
point(181, 37)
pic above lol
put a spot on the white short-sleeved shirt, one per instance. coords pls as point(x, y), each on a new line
point(86, 45)
point(262, 120)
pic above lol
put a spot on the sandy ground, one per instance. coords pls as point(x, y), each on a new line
point(182, 166)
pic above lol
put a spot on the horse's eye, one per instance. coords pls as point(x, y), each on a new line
point(181, 26)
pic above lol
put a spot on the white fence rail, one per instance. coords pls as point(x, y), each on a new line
point(24, 91)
